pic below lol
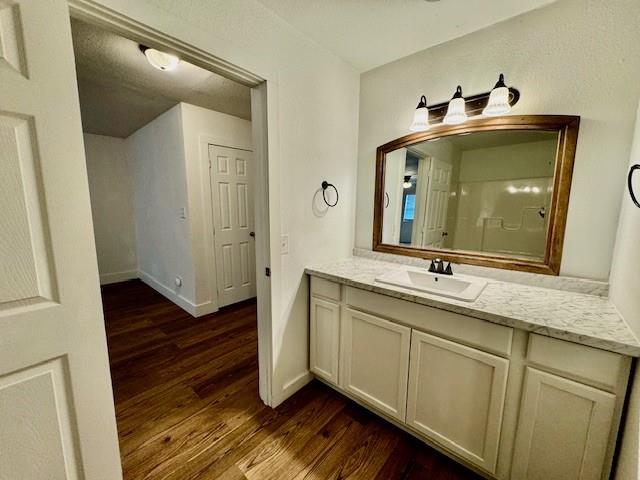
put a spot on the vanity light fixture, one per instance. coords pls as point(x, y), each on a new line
point(456, 111)
point(407, 181)
point(498, 103)
point(160, 60)
point(421, 116)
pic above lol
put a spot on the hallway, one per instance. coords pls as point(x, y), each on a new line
point(187, 405)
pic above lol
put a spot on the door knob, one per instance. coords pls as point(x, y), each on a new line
point(252, 234)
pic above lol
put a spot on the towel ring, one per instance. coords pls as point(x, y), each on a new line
point(630, 184)
point(326, 185)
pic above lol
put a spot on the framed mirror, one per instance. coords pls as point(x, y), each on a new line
point(491, 192)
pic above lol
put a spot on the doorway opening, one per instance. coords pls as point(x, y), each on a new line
point(173, 180)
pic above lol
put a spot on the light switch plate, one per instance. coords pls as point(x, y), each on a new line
point(284, 244)
point(183, 212)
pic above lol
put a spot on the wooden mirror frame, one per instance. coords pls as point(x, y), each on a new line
point(567, 128)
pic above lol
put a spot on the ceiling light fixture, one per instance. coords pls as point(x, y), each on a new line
point(498, 103)
point(421, 116)
point(456, 111)
point(407, 181)
point(160, 60)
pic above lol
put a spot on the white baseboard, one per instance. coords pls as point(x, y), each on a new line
point(206, 308)
point(115, 277)
point(188, 306)
point(290, 388)
point(179, 300)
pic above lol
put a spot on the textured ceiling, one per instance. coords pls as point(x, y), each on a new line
point(370, 33)
point(120, 92)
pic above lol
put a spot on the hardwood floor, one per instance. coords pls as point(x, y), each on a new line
point(187, 405)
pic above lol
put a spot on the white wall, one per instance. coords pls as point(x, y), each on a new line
point(200, 127)
point(312, 98)
point(111, 191)
point(579, 57)
point(156, 152)
point(625, 285)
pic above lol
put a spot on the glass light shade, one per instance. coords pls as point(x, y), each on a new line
point(498, 103)
point(420, 120)
point(456, 113)
point(420, 117)
point(160, 60)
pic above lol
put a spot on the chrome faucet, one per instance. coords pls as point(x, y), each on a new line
point(437, 266)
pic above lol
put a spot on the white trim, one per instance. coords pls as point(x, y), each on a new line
point(162, 289)
point(115, 277)
point(265, 141)
point(265, 228)
point(185, 304)
point(291, 387)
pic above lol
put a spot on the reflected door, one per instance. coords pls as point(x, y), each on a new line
point(437, 202)
point(233, 223)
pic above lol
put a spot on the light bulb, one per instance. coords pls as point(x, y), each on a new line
point(456, 111)
point(498, 103)
point(420, 117)
point(161, 60)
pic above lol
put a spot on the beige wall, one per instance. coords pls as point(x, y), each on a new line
point(578, 57)
point(111, 190)
point(163, 239)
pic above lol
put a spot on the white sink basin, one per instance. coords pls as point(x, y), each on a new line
point(456, 286)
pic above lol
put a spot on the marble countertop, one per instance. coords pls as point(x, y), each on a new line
point(576, 317)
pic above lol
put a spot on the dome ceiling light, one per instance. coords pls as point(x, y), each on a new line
point(160, 60)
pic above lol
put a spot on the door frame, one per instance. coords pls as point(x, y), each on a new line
point(264, 139)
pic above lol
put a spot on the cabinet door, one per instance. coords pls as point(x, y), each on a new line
point(324, 339)
point(563, 429)
point(456, 397)
point(374, 361)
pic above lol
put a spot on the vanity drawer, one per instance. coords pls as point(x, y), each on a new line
point(471, 331)
point(592, 365)
point(324, 288)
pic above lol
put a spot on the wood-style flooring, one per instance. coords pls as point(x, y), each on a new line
point(187, 405)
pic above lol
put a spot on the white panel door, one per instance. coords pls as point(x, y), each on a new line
point(435, 221)
point(56, 405)
point(324, 339)
point(231, 176)
point(456, 397)
point(374, 361)
point(563, 429)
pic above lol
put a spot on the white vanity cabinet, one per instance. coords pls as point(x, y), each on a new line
point(374, 361)
point(325, 339)
point(570, 409)
point(324, 330)
point(456, 397)
point(563, 429)
point(507, 403)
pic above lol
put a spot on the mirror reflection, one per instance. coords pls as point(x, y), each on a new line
point(487, 192)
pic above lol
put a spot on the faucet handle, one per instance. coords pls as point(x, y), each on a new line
point(448, 270)
point(435, 265)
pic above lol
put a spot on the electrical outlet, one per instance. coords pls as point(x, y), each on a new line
point(183, 212)
point(284, 244)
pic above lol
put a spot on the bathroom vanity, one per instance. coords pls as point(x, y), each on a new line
point(520, 382)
